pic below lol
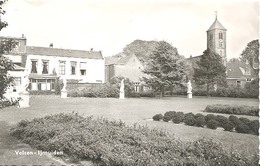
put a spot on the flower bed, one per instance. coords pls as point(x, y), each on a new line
point(113, 143)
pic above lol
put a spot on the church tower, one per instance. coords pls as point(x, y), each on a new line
point(216, 39)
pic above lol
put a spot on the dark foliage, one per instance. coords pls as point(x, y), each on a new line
point(178, 117)
point(212, 124)
point(168, 116)
point(113, 143)
point(229, 109)
point(157, 117)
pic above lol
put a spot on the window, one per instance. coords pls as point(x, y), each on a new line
point(34, 66)
point(239, 84)
point(248, 80)
point(247, 71)
point(83, 72)
point(211, 36)
point(62, 67)
point(220, 35)
point(73, 68)
point(45, 65)
point(83, 67)
point(220, 44)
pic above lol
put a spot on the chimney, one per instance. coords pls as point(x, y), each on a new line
point(51, 45)
point(23, 36)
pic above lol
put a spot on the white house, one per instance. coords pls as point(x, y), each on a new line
point(45, 65)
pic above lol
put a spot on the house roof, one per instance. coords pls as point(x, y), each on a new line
point(18, 68)
point(216, 25)
point(31, 50)
point(123, 60)
point(38, 76)
point(111, 60)
point(234, 70)
point(117, 60)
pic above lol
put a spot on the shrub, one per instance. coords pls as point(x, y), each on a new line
point(212, 124)
point(198, 115)
point(229, 109)
point(102, 91)
point(221, 120)
point(168, 116)
point(157, 117)
point(113, 143)
point(244, 120)
point(209, 117)
point(189, 120)
point(42, 92)
point(189, 114)
point(243, 128)
point(147, 94)
point(4, 102)
point(200, 121)
point(234, 120)
point(228, 126)
point(178, 117)
point(254, 127)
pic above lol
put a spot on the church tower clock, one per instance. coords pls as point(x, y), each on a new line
point(216, 39)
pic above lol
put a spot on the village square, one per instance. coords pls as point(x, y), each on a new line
point(146, 105)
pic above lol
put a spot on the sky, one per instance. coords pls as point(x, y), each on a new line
point(108, 26)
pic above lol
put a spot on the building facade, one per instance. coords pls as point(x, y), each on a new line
point(46, 65)
point(129, 67)
point(239, 73)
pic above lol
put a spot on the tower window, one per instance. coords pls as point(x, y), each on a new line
point(220, 35)
point(211, 36)
point(220, 44)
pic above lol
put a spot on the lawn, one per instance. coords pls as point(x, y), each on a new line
point(130, 111)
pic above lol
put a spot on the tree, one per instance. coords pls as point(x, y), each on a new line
point(129, 85)
point(210, 70)
point(6, 45)
point(251, 53)
point(141, 48)
point(165, 67)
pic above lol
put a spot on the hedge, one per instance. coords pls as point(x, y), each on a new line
point(241, 125)
point(113, 143)
point(233, 109)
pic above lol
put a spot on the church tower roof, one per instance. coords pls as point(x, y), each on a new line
point(216, 25)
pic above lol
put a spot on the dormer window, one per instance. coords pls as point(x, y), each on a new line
point(247, 71)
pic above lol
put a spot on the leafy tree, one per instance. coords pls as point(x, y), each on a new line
point(165, 67)
point(6, 45)
point(251, 53)
point(234, 60)
point(210, 70)
point(129, 85)
point(141, 48)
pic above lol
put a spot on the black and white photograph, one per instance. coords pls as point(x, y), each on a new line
point(129, 83)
